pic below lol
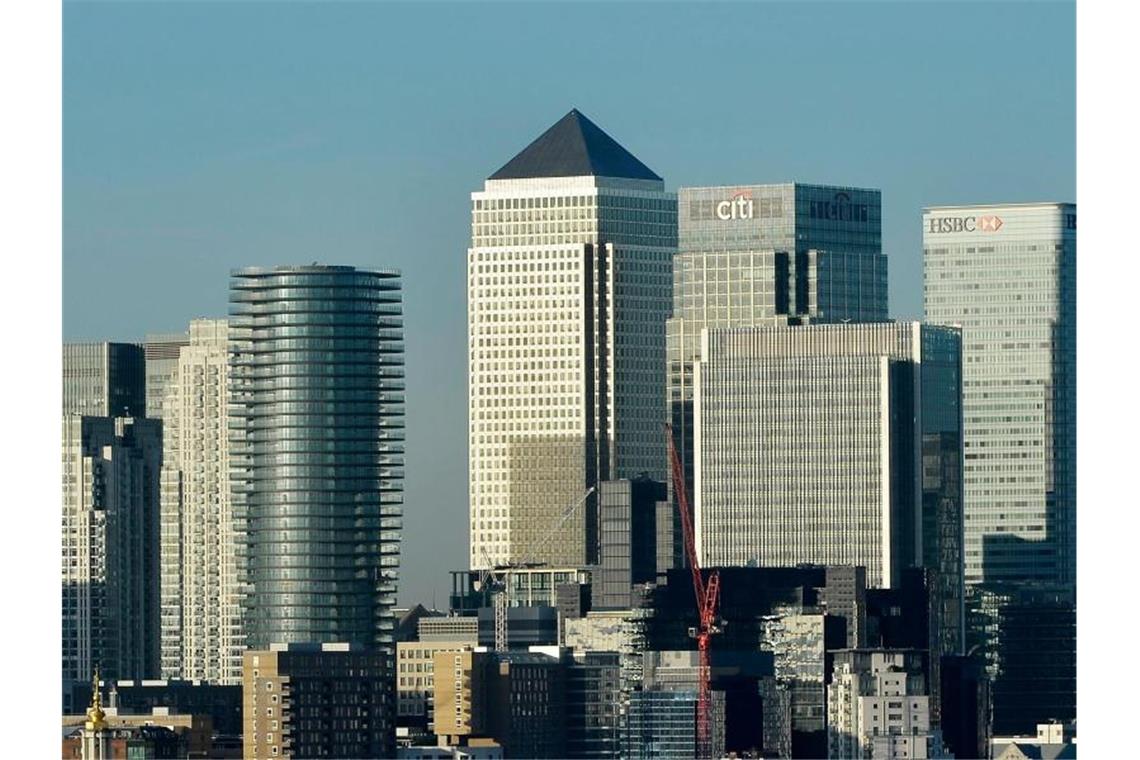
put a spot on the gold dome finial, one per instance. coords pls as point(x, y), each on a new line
point(95, 714)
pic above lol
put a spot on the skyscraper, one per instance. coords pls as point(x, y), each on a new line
point(1007, 273)
point(110, 547)
point(767, 255)
point(161, 354)
point(833, 444)
point(104, 379)
point(316, 451)
point(569, 284)
point(201, 622)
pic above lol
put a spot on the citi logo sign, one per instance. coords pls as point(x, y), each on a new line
point(740, 207)
point(941, 224)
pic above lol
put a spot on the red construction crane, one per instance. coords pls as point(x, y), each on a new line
point(708, 598)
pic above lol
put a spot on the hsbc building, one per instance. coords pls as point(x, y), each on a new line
point(1007, 274)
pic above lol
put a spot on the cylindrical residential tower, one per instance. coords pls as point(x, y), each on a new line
point(317, 451)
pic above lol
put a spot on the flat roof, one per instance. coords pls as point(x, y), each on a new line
point(999, 205)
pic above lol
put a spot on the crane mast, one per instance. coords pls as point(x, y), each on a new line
point(498, 578)
point(707, 595)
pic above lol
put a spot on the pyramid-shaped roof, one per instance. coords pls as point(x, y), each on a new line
point(574, 147)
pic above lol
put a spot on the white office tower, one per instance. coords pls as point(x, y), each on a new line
point(1007, 274)
point(767, 255)
point(569, 280)
point(831, 445)
point(201, 624)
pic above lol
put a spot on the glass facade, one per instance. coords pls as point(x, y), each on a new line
point(1006, 274)
point(316, 451)
point(104, 379)
point(662, 721)
point(832, 445)
point(1027, 636)
point(593, 705)
point(628, 531)
point(662, 724)
point(766, 255)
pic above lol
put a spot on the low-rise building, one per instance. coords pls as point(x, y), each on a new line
point(1053, 741)
point(414, 679)
point(477, 749)
point(878, 706)
point(309, 700)
point(450, 628)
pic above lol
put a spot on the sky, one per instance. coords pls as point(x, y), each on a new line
point(200, 137)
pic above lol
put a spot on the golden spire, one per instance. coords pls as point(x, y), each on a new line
point(95, 714)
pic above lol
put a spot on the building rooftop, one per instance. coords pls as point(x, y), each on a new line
point(574, 147)
point(997, 205)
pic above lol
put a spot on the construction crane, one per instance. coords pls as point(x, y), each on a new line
point(707, 593)
point(496, 578)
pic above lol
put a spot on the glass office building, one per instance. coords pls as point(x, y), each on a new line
point(316, 451)
point(569, 280)
point(631, 522)
point(1006, 274)
point(104, 379)
point(766, 255)
point(833, 445)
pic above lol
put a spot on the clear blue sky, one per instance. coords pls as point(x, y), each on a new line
point(203, 136)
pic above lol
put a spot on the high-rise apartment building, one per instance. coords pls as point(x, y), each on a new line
point(201, 614)
point(161, 354)
point(104, 379)
point(833, 444)
point(569, 280)
point(316, 451)
point(765, 255)
point(1006, 274)
point(110, 547)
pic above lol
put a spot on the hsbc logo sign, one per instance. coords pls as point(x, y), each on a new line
point(989, 223)
point(740, 207)
point(942, 224)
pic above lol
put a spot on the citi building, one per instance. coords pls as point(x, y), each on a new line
point(765, 256)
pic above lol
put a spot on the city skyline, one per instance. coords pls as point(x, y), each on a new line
point(170, 145)
point(320, 172)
